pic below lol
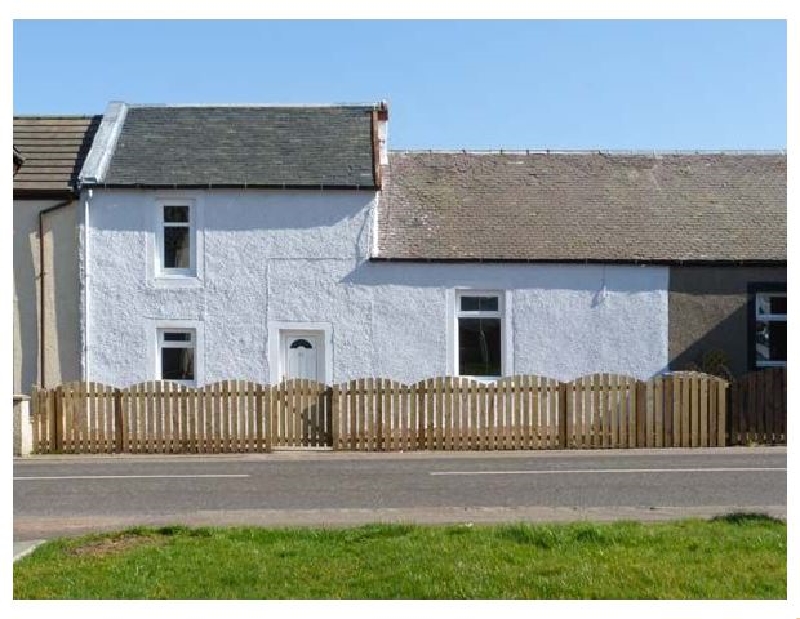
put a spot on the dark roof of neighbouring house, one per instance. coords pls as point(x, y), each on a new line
point(54, 149)
point(702, 207)
point(254, 146)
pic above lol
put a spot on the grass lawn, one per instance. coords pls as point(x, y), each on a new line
point(738, 556)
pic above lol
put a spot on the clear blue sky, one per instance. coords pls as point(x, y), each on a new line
point(476, 85)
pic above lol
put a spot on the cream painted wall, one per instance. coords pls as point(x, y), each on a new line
point(62, 348)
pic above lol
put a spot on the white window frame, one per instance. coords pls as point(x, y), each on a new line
point(159, 277)
point(503, 313)
point(190, 225)
point(156, 328)
point(162, 344)
point(768, 318)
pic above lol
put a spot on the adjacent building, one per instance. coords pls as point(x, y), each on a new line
point(49, 152)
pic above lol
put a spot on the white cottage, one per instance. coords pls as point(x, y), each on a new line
point(267, 242)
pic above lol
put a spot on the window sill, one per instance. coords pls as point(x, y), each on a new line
point(482, 379)
point(177, 281)
point(182, 383)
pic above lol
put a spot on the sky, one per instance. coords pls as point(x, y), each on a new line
point(610, 85)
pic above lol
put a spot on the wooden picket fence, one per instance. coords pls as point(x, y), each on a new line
point(601, 411)
point(758, 408)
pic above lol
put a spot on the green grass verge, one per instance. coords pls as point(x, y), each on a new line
point(740, 556)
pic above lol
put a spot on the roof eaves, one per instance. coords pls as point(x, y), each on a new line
point(626, 261)
point(610, 153)
point(283, 186)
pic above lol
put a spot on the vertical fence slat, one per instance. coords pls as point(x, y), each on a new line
point(703, 412)
point(769, 406)
point(359, 408)
point(625, 406)
point(262, 414)
point(336, 422)
point(97, 402)
point(695, 410)
point(233, 412)
point(582, 412)
point(641, 413)
point(713, 417)
point(524, 411)
point(176, 445)
point(721, 414)
point(216, 436)
point(668, 418)
point(658, 412)
point(615, 395)
point(416, 423)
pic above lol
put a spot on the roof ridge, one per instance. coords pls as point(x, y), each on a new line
point(255, 105)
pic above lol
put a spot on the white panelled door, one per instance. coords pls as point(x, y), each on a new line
point(303, 355)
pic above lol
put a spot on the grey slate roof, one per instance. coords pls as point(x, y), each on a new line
point(241, 145)
point(583, 207)
point(53, 149)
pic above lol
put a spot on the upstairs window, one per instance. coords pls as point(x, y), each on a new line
point(479, 339)
point(176, 240)
point(770, 329)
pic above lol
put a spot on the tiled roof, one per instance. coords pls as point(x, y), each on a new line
point(584, 206)
point(53, 148)
point(310, 146)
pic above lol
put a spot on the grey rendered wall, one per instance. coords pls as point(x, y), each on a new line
point(708, 311)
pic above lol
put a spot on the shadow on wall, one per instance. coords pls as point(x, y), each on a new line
point(229, 210)
point(63, 282)
point(27, 304)
point(708, 311)
point(577, 277)
point(728, 335)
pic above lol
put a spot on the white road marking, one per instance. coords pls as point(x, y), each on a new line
point(584, 471)
point(124, 477)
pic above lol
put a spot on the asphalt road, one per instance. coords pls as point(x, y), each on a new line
point(72, 495)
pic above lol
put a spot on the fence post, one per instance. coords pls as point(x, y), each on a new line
point(118, 421)
point(562, 416)
point(23, 430)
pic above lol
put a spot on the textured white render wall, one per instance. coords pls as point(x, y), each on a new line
point(275, 256)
